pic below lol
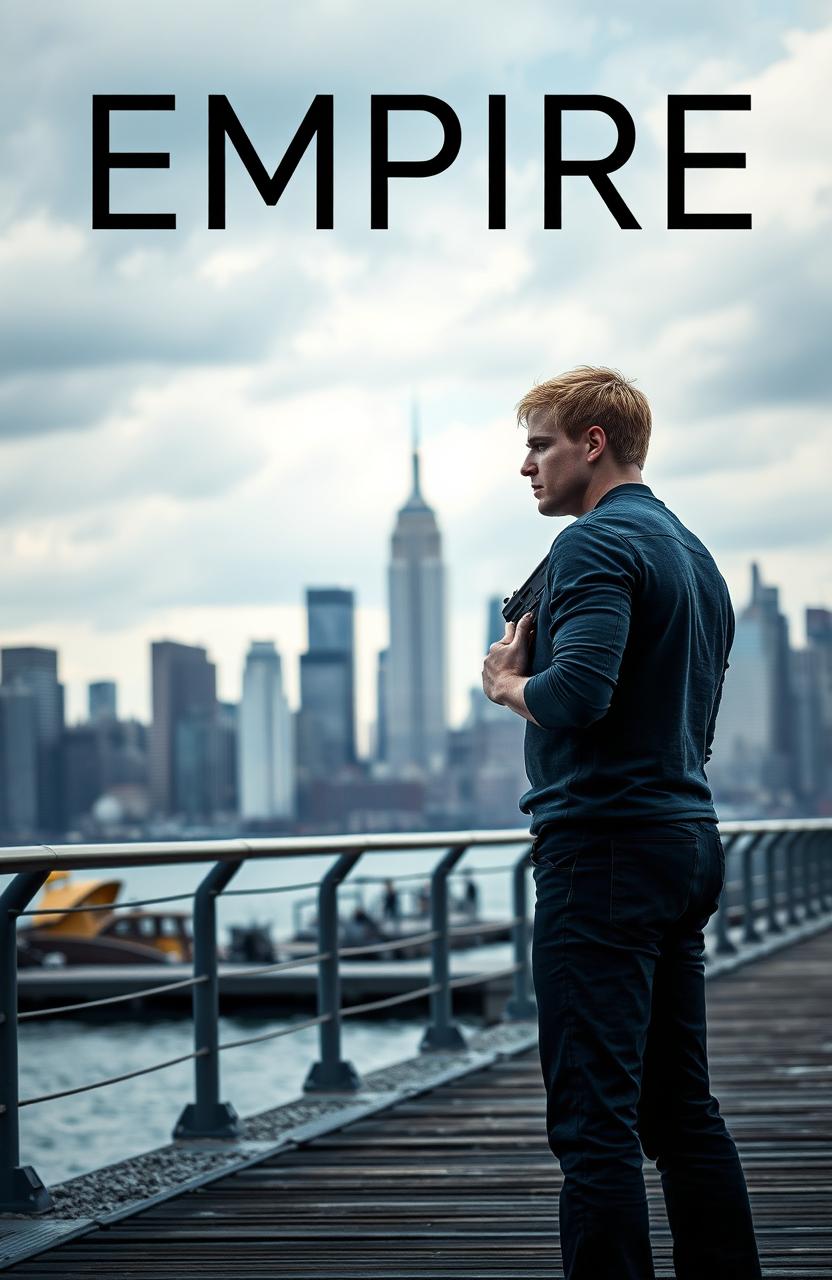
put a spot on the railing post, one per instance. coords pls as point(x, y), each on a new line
point(750, 933)
point(441, 1032)
point(331, 1073)
point(773, 924)
point(521, 1004)
point(21, 1190)
point(792, 915)
point(822, 841)
point(207, 1117)
point(724, 945)
point(812, 910)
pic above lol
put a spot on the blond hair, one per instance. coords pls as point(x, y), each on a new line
point(594, 396)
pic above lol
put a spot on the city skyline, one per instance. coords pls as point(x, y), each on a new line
point(367, 648)
point(488, 622)
point(287, 626)
point(227, 630)
point(211, 765)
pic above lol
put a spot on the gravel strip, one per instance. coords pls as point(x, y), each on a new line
point(135, 1180)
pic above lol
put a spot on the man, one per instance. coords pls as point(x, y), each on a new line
point(620, 677)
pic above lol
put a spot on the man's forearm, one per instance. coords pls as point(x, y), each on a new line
point(511, 695)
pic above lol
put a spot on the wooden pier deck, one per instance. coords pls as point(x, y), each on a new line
point(459, 1184)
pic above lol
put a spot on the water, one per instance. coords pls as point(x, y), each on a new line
point(76, 1134)
point(73, 1135)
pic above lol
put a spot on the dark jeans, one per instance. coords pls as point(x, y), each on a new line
point(618, 968)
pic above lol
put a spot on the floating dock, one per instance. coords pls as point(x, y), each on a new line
point(289, 989)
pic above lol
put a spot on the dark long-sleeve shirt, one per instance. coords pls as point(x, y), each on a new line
point(630, 651)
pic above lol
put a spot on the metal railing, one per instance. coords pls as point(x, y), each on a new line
point(785, 880)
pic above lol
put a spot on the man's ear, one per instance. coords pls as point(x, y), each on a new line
point(596, 442)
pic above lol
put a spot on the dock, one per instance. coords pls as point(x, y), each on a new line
point(458, 1183)
point(289, 989)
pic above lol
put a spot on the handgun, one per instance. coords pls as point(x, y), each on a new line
point(527, 597)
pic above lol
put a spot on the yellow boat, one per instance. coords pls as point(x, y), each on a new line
point(63, 933)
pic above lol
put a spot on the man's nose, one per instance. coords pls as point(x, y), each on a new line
point(528, 468)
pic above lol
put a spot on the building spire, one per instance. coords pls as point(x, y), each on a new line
point(415, 501)
point(416, 495)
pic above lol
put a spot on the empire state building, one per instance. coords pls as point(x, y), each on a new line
point(416, 677)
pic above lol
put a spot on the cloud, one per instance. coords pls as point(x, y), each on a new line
point(208, 421)
point(785, 137)
point(68, 307)
point(180, 439)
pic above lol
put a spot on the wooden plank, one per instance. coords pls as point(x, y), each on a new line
point(461, 1183)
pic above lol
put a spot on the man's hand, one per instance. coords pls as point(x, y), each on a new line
point(505, 669)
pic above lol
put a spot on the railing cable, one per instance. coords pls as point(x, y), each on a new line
point(128, 995)
point(387, 1001)
point(486, 976)
point(100, 1084)
point(273, 1035)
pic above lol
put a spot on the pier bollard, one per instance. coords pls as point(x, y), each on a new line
point(207, 1117)
point(21, 1190)
point(724, 944)
point(331, 1074)
point(522, 1004)
point(750, 932)
point(441, 1032)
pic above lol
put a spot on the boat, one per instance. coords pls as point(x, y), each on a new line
point(62, 932)
point(394, 919)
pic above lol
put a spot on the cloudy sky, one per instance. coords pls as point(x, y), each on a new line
point(196, 424)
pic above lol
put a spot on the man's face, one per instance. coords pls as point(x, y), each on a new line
point(557, 467)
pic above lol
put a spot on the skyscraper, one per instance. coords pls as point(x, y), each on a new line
point(196, 764)
point(482, 707)
point(496, 622)
point(18, 762)
point(99, 757)
point(35, 671)
point(819, 637)
point(809, 762)
point(381, 743)
point(753, 747)
point(184, 690)
point(266, 763)
point(330, 613)
point(415, 714)
point(326, 729)
point(228, 729)
point(102, 700)
point(764, 608)
point(487, 763)
point(84, 748)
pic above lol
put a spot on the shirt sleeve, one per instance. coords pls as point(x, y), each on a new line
point(709, 736)
point(590, 579)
